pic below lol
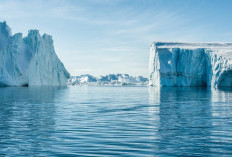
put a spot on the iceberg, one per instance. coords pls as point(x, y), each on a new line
point(190, 64)
point(28, 61)
point(107, 80)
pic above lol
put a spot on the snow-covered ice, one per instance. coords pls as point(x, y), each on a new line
point(108, 80)
point(190, 64)
point(31, 60)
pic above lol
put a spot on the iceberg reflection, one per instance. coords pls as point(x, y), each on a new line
point(26, 118)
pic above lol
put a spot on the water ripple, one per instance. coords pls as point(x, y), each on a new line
point(115, 121)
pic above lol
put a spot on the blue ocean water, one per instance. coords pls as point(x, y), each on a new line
point(115, 121)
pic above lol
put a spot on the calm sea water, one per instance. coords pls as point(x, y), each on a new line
point(120, 121)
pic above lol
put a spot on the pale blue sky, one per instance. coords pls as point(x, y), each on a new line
point(114, 36)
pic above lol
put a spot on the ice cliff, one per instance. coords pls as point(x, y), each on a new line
point(30, 60)
point(190, 64)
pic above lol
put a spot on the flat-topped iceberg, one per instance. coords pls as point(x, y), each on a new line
point(190, 64)
point(29, 61)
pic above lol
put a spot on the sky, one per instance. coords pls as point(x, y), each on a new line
point(99, 37)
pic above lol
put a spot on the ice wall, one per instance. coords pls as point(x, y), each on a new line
point(190, 64)
point(29, 61)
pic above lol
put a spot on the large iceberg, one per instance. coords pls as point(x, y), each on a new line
point(190, 64)
point(30, 60)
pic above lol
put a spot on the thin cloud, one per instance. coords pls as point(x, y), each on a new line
point(114, 35)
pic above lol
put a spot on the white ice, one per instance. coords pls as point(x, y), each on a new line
point(30, 60)
point(190, 64)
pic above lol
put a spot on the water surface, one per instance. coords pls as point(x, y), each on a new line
point(120, 121)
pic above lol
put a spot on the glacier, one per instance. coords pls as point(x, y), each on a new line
point(30, 60)
point(190, 64)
